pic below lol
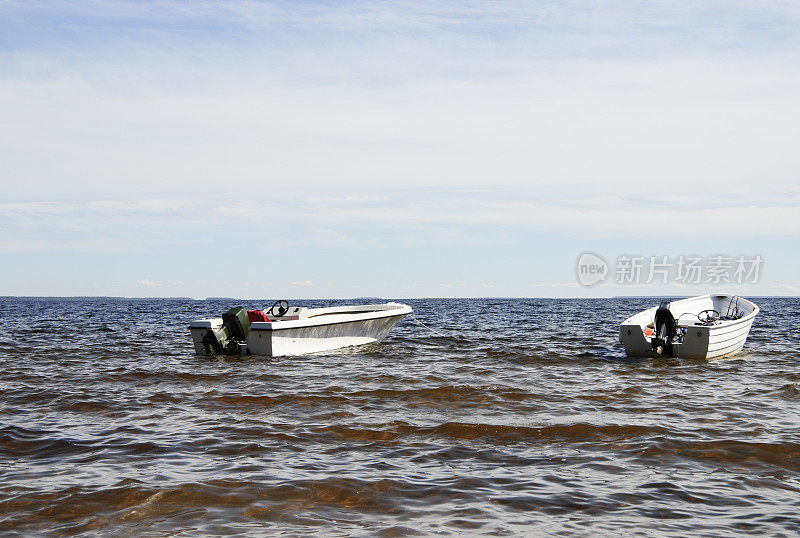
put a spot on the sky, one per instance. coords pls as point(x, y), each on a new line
point(395, 149)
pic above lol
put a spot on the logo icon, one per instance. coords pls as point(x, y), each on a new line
point(591, 269)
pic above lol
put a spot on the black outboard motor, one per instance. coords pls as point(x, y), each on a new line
point(666, 330)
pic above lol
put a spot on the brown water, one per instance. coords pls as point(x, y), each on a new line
point(525, 418)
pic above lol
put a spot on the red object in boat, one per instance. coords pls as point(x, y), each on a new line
point(648, 332)
point(256, 315)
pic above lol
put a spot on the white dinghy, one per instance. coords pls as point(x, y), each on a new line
point(285, 330)
point(704, 327)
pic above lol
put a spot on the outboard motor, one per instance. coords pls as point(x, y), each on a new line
point(216, 341)
point(237, 321)
point(666, 330)
point(231, 337)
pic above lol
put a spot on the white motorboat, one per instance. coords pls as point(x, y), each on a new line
point(285, 330)
point(704, 327)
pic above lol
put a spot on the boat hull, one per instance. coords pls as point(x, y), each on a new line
point(317, 330)
point(699, 341)
point(314, 339)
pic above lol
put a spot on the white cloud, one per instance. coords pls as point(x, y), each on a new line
point(789, 287)
point(268, 127)
point(396, 218)
point(633, 126)
point(147, 283)
point(242, 96)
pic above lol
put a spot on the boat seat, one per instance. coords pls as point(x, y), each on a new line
point(257, 315)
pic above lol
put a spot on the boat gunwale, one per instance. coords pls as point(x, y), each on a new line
point(315, 325)
point(629, 322)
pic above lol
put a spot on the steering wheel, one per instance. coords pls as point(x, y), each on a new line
point(710, 315)
point(283, 307)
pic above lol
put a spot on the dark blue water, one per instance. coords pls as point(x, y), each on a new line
point(526, 417)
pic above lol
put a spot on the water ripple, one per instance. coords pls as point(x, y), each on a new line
point(526, 418)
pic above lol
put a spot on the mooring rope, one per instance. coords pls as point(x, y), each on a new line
point(434, 331)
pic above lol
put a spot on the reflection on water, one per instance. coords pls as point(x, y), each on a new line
point(524, 417)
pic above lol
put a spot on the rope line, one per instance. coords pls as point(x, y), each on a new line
point(412, 316)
